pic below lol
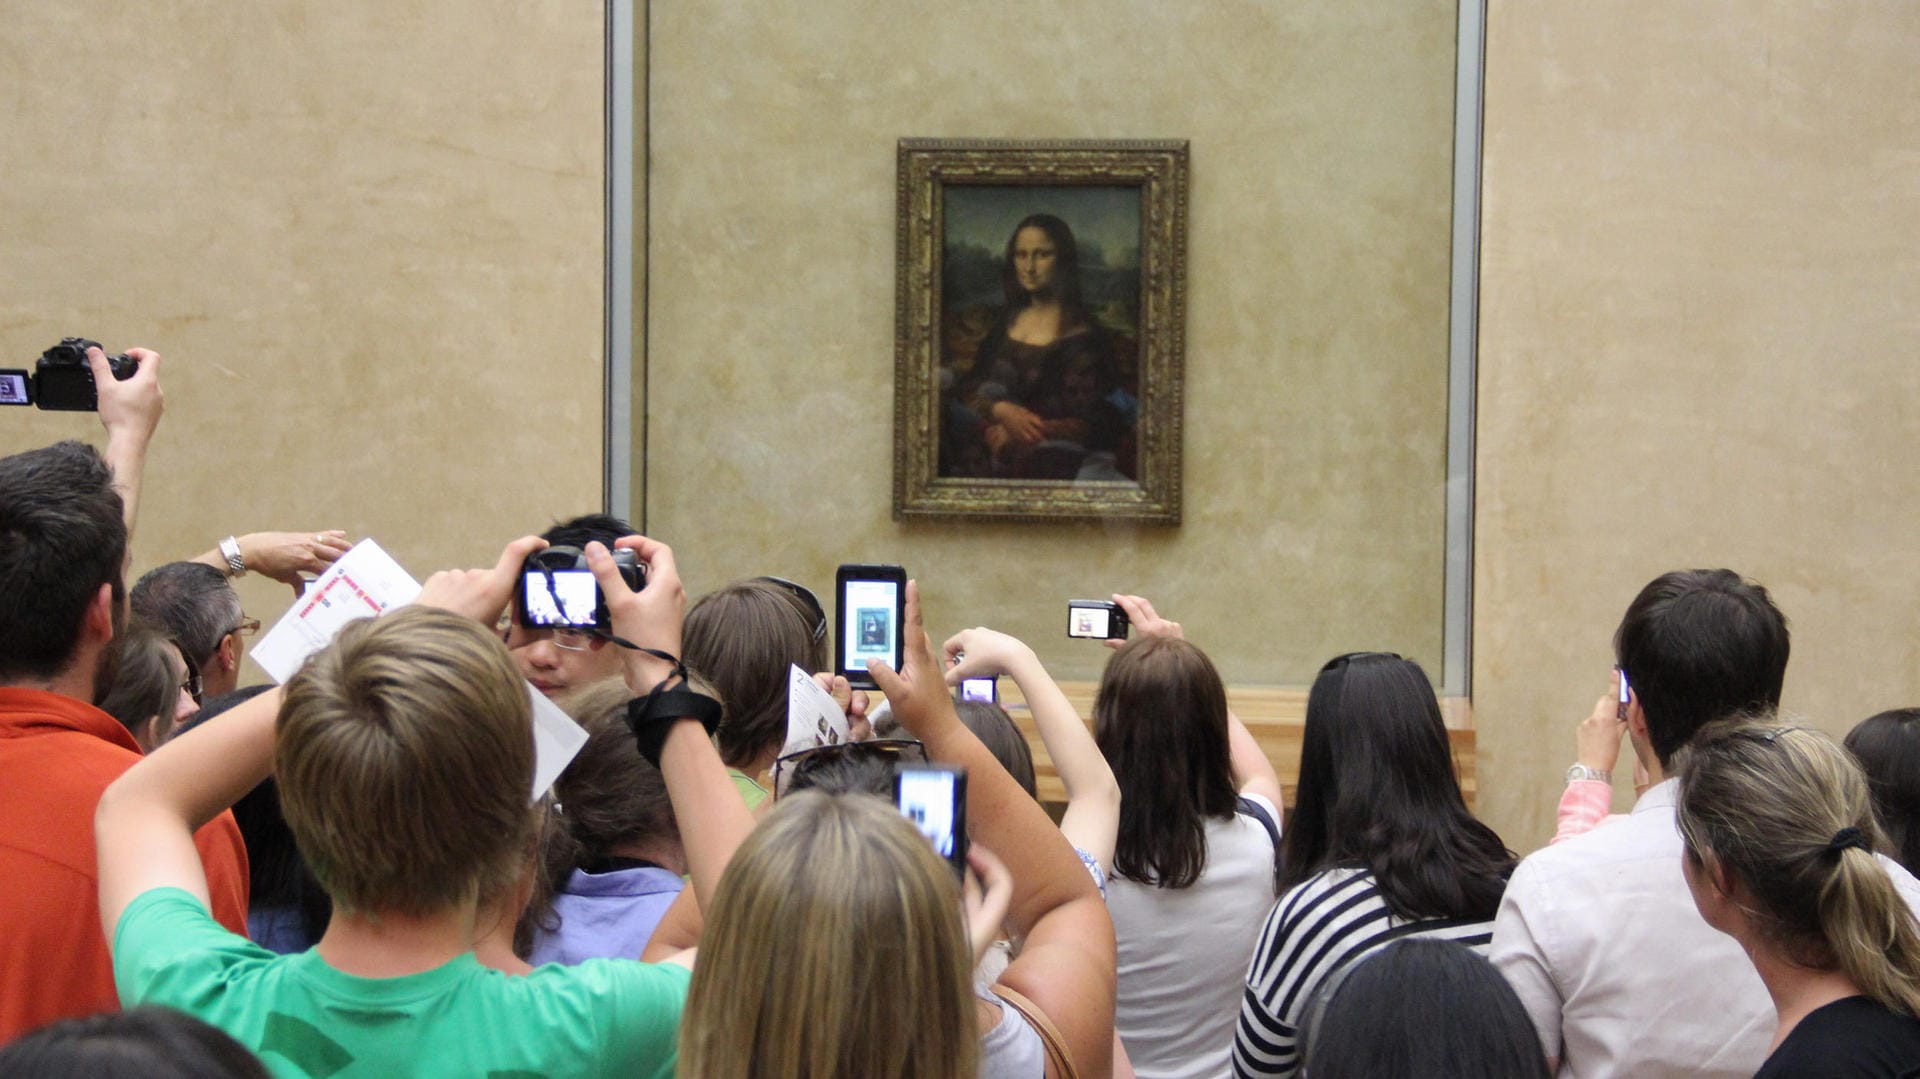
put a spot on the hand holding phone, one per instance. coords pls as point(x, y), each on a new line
point(870, 604)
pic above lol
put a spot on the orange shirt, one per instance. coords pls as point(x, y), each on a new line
point(57, 754)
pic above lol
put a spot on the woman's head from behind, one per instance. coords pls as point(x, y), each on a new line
point(1888, 748)
point(1779, 832)
point(1160, 719)
point(141, 682)
point(1377, 789)
point(834, 947)
point(743, 639)
point(1419, 1008)
point(996, 730)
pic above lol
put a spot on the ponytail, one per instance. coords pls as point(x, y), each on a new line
point(1870, 931)
point(1787, 812)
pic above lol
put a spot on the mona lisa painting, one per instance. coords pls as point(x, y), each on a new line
point(1039, 330)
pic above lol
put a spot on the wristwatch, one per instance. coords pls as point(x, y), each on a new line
point(230, 550)
point(1581, 771)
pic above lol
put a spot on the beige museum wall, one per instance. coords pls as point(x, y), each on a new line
point(365, 237)
point(1317, 311)
point(1700, 296)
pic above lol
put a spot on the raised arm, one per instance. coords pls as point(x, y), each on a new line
point(283, 556)
point(1092, 818)
point(1066, 965)
point(1253, 773)
point(713, 818)
point(130, 411)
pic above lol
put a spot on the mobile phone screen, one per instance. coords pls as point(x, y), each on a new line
point(980, 689)
point(933, 799)
point(871, 630)
point(13, 388)
point(1087, 621)
point(575, 589)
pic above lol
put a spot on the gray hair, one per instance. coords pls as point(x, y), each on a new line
point(192, 602)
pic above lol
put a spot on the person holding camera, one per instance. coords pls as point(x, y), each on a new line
point(68, 513)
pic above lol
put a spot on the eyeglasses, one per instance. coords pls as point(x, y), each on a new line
point(807, 599)
point(565, 638)
point(191, 684)
point(1338, 662)
point(795, 765)
point(246, 627)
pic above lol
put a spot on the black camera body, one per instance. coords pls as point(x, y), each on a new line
point(558, 591)
point(62, 381)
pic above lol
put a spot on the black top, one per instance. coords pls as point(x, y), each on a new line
point(1852, 1037)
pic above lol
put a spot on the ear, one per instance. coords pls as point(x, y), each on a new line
point(97, 624)
point(229, 652)
point(1636, 719)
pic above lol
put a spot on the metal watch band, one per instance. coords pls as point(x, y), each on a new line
point(230, 550)
point(1581, 771)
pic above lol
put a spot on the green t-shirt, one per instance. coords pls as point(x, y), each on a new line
point(307, 1020)
point(749, 789)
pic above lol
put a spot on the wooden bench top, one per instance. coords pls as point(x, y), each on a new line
point(1276, 717)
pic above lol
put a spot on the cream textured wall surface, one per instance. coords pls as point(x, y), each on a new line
point(1316, 324)
point(365, 237)
point(1700, 297)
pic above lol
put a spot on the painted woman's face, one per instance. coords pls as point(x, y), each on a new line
point(1033, 258)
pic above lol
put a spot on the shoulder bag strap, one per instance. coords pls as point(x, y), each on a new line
point(1057, 1055)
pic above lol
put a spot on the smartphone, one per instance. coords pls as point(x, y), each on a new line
point(871, 608)
point(1621, 712)
point(934, 798)
point(980, 689)
point(1099, 619)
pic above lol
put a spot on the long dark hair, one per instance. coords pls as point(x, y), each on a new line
point(1160, 718)
point(1066, 269)
point(1378, 791)
point(1888, 749)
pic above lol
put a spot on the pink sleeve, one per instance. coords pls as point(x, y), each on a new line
point(1582, 807)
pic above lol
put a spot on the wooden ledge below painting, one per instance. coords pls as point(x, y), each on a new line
point(1276, 716)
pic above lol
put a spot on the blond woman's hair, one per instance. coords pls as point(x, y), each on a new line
point(834, 947)
point(1787, 811)
point(405, 760)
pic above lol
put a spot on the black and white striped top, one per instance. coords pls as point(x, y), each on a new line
point(1315, 930)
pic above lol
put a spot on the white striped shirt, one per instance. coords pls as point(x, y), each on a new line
point(1314, 931)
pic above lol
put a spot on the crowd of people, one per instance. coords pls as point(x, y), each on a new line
point(346, 874)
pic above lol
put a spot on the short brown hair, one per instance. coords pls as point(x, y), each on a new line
point(609, 795)
point(405, 760)
point(742, 638)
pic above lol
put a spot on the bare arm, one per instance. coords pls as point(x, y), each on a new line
point(713, 818)
point(144, 824)
point(130, 411)
point(1092, 818)
point(1067, 963)
point(1252, 772)
point(283, 556)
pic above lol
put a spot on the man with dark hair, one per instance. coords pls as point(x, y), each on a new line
point(193, 603)
point(1599, 935)
point(557, 660)
point(65, 516)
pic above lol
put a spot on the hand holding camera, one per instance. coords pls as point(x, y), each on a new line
point(1139, 611)
point(647, 618)
point(983, 653)
point(480, 594)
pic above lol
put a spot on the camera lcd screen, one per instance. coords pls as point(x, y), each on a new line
point(870, 632)
point(979, 689)
point(1087, 621)
point(926, 797)
point(575, 589)
point(13, 388)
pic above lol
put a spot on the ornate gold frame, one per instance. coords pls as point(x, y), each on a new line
point(926, 166)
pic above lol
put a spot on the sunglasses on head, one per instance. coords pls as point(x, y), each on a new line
point(793, 766)
point(807, 599)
